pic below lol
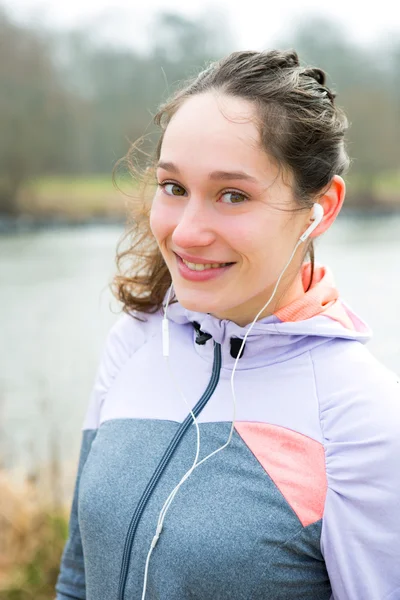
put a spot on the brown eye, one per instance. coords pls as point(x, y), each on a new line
point(175, 189)
point(236, 197)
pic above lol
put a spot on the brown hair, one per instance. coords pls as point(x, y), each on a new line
point(301, 128)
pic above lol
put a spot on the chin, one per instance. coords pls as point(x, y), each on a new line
point(196, 302)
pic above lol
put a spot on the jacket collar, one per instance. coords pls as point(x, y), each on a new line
point(315, 318)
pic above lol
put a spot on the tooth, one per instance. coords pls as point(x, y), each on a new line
point(201, 267)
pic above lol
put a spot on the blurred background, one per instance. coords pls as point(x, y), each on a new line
point(78, 83)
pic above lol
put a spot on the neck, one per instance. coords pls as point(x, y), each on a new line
point(286, 293)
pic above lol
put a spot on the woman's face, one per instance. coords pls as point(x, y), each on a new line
point(217, 213)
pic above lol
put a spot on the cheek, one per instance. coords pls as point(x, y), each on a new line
point(160, 219)
point(253, 239)
point(262, 246)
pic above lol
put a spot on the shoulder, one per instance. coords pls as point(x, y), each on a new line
point(349, 378)
point(359, 401)
point(130, 332)
point(126, 335)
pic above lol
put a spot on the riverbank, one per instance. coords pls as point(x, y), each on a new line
point(61, 201)
point(25, 223)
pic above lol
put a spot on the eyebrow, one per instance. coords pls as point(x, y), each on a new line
point(214, 176)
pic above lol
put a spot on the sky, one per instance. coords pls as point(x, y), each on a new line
point(255, 24)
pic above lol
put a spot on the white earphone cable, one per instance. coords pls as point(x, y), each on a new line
point(318, 214)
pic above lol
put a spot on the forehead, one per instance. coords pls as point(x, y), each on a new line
point(216, 131)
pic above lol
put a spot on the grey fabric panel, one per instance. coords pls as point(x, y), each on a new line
point(71, 579)
point(296, 569)
point(228, 534)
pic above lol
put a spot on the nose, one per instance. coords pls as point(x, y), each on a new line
point(195, 226)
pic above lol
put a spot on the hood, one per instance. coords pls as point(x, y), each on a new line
point(314, 318)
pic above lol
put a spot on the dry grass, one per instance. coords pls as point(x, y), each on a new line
point(32, 536)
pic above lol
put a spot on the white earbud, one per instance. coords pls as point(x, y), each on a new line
point(318, 213)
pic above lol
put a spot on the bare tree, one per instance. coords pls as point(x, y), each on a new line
point(31, 101)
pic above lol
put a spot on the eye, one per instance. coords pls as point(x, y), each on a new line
point(175, 189)
point(236, 197)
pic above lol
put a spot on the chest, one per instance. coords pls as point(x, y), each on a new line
point(230, 531)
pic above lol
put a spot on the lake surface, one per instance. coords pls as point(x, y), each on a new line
point(56, 310)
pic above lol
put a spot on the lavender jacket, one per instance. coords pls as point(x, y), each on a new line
point(304, 504)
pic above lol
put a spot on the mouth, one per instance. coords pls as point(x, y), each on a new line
point(202, 267)
point(201, 271)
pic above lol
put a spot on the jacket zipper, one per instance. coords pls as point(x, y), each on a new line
point(161, 467)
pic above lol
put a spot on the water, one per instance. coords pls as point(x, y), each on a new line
point(55, 314)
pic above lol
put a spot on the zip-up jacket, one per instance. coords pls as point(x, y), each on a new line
point(303, 504)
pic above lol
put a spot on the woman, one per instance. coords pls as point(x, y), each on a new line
point(266, 376)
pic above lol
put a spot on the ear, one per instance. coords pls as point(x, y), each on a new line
point(331, 202)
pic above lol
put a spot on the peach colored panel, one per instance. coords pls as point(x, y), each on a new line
point(321, 299)
point(295, 463)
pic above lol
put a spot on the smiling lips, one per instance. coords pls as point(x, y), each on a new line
point(202, 267)
point(200, 271)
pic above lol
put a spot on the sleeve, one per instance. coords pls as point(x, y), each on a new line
point(118, 348)
point(71, 579)
point(360, 537)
